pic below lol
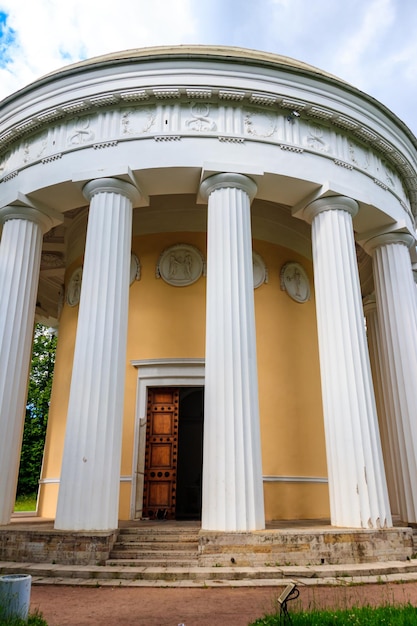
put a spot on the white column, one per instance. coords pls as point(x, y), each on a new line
point(397, 314)
point(385, 421)
point(232, 468)
point(357, 485)
point(90, 476)
point(20, 255)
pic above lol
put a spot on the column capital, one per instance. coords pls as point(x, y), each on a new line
point(111, 185)
point(231, 180)
point(46, 220)
point(385, 239)
point(330, 203)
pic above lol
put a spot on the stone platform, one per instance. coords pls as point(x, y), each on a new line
point(145, 544)
point(305, 547)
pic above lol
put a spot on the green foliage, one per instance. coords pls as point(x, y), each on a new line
point(391, 615)
point(39, 391)
point(34, 619)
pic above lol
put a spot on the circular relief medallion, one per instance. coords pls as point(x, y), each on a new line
point(180, 265)
point(74, 287)
point(134, 269)
point(260, 275)
point(295, 282)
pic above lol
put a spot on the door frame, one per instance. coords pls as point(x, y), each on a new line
point(180, 372)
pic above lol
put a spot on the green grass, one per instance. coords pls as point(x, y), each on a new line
point(390, 615)
point(25, 503)
point(34, 619)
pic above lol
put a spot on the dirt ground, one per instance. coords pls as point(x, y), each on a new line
point(138, 606)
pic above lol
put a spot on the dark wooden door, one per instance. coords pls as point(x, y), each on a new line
point(159, 495)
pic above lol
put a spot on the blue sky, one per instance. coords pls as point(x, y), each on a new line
point(370, 43)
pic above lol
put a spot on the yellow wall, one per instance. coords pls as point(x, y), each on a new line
point(166, 321)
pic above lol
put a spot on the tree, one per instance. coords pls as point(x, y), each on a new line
point(36, 419)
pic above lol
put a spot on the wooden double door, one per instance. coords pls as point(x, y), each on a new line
point(174, 453)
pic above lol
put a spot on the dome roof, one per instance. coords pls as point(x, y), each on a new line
point(225, 53)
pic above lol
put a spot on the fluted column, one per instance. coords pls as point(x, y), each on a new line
point(385, 420)
point(232, 469)
point(357, 485)
point(90, 476)
point(397, 314)
point(20, 255)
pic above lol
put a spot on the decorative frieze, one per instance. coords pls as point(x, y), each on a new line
point(200, 119)
point(137, 121)
point(259, 123)
point(224, 119)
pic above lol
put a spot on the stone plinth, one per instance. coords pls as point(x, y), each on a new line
point(304, 547)
point(52, 546)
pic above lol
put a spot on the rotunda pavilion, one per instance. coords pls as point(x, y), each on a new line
point(210, 228)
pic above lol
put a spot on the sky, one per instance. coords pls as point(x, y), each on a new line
point(371, 44)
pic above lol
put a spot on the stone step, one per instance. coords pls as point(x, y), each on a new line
point(155, 546)
point(109, 574)
point(153, 562)
point(159, 537)
point(172, 555)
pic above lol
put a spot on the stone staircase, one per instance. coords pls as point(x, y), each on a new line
point(155, 547)
point(168, 554)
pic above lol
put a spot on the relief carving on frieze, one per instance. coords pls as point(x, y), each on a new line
point(81, 131)
point(358, 155)
point(200, 120)
point(137, 121)
point(317, 137)
point(260, 123)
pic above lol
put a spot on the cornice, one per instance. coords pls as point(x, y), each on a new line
point(292, 109)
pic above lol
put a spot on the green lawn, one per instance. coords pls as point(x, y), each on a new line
point(390, 615)
point(25, 503)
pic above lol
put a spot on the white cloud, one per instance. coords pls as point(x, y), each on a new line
point(52, 33)
point(369, 43)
